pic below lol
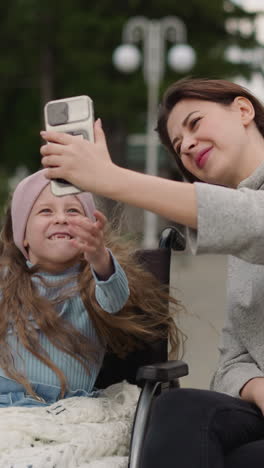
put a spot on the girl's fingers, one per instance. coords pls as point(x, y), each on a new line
point(84, 229)
point(86, 247)
point(88, 223)
point(81, 232)
point(78, 244)
point(100, 219)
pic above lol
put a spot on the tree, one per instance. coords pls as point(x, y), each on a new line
point(64, 48)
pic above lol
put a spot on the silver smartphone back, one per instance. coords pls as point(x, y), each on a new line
point(74, 115)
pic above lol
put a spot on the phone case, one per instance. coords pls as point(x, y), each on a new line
point(75, 116)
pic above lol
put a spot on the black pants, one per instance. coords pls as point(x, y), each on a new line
point(203, 429)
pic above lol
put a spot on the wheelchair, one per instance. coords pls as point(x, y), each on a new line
point(148, 368)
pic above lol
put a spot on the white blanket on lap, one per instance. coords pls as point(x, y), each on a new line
point(76, 432)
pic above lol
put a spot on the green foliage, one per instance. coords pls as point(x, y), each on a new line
point(64, 48)
point(4, 191)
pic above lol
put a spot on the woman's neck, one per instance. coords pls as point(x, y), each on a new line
point(251, 159)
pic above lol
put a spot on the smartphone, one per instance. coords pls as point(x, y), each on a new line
point(74, 115)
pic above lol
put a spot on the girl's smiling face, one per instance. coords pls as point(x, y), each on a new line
point(211, 138)
point(47, 237)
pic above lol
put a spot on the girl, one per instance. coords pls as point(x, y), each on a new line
point(65, 297)
point(214, 129)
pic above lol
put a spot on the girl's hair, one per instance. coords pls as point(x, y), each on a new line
point(121, 332)
point(220, 91)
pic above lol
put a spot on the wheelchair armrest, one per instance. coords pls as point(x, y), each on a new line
point(162, 372)
point(152, 376)
point(172, 238)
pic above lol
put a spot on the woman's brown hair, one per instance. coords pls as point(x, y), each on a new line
point(120, 333)
point(220, 91)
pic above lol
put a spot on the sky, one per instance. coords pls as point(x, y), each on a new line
point(251, 5)
point(255, 5)
point(256, 84)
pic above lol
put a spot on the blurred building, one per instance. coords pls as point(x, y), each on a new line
point(200, 283)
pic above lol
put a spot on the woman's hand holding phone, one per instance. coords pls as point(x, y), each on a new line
point(75, 116)
point(79, 161)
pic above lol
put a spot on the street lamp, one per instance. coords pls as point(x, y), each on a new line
point(181, 57)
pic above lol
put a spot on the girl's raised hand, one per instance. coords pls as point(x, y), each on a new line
point(89, 239)
point(75, 159)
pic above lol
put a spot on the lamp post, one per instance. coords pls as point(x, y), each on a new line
point(181, 57)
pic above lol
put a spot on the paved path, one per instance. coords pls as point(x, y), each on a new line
point(200, 284)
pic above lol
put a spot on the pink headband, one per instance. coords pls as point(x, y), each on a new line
point(24, 197)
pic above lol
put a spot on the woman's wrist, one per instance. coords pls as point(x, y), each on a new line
point(248, 392)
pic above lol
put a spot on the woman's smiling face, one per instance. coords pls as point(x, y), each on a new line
point(209, 138)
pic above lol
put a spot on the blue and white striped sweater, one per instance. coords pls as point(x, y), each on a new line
point(111, 295)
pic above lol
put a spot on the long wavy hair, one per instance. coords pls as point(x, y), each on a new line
point(120, 333)
point(220, 91)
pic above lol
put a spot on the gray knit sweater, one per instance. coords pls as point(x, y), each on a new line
point(231, 221)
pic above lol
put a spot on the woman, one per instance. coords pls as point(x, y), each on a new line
point(214, 129)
